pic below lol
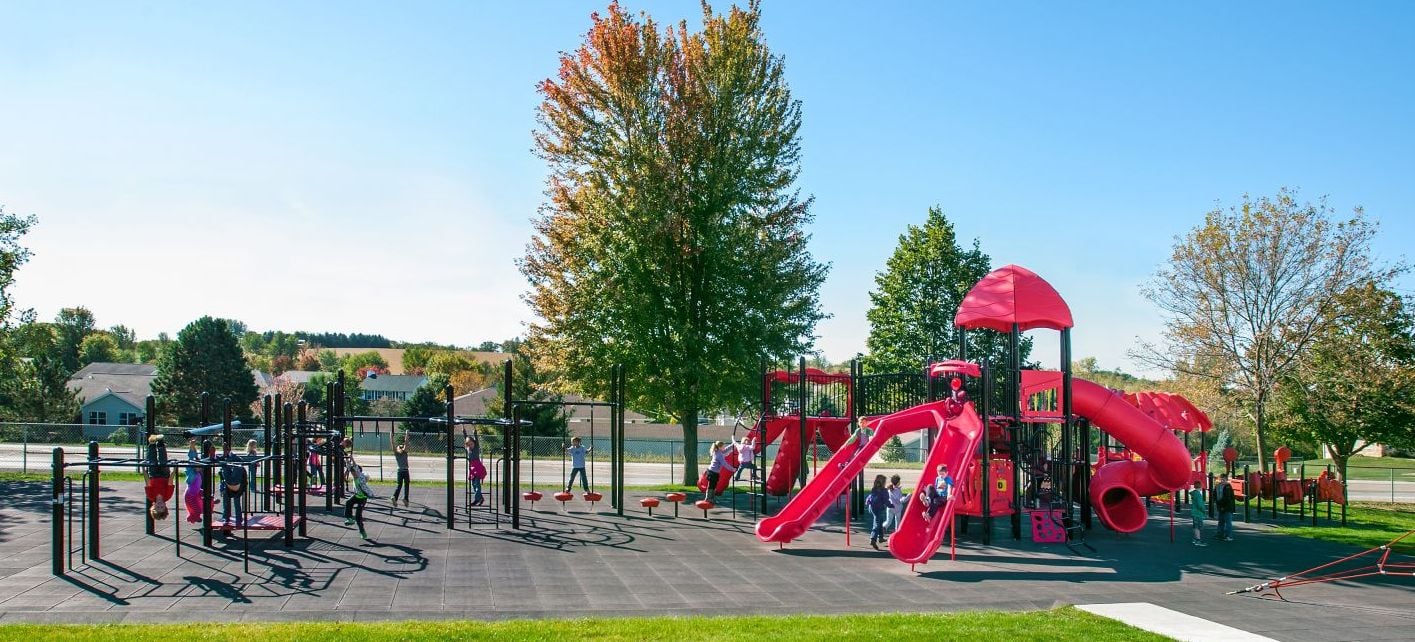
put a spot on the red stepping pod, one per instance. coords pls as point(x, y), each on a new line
point(705, 505)
point(593, 497)
point(649, 503)
point(676, 498)
point(564, 496)
point(532, 496)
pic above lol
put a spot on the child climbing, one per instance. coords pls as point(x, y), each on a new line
point(476, 470)
point(192, 497)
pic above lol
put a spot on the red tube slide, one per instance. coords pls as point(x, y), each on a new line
point(918, 536)
point(1117, 487)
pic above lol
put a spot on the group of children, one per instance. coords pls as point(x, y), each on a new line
point(887, 502)
point(233, 473)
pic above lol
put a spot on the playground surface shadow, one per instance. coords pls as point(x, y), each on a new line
point(589, 562)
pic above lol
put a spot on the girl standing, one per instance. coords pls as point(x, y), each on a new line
point(878, 502)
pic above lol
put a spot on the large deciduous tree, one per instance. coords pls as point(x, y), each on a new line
point(206, 357)
point(1355, 386)
point(1248, 291)
point(673, 237)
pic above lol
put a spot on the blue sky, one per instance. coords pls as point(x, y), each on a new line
point(367, 167)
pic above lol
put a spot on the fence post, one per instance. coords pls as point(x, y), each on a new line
point(24, 451)
point(1392, 485)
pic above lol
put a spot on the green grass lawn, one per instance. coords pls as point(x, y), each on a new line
point(1059, 624)
point(1368, 525)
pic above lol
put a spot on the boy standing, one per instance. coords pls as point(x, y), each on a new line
point(1225, 502)
point(577, 464)
point(1198, 508)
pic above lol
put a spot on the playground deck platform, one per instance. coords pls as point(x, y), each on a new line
point(581, 564)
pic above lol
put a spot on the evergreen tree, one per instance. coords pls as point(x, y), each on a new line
point(916, 297)
point(206, 357)
point(73, 325)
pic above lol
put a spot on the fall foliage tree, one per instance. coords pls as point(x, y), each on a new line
point(1247, 292)
point(673, 237)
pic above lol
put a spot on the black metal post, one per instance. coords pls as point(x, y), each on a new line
point(1086, 473)
point(301, 412)
point(507, 401)
point(267, 408)
point(514, 482)
point(333, 393)
point(289, 461)
point(93, 472)
point(282, 439)
point(57, 545)
point(801, 400)
point(451, 460)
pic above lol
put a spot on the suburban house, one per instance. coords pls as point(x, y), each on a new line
point(395, 387)
point(112, 394)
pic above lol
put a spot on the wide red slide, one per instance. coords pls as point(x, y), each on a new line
point(832, 480)
point(918, 536)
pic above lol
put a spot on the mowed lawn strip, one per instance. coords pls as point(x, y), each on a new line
point(1368, 525)
point(1058, 624)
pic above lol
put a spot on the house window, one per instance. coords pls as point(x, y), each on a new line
point(128, 418)
point(97, 418)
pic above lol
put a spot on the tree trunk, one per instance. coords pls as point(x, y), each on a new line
point(1340, 460)
point(690, 447)
point(1260, 421)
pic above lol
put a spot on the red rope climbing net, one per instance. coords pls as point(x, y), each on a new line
point(1325, 572)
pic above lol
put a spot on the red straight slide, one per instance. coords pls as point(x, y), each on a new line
point(847, 462)
point(917, 537)
point(835, 431)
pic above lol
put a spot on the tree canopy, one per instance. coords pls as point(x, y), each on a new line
point(206, 357)
point(673, 237)
point(1247, 292)
point(1355, 386)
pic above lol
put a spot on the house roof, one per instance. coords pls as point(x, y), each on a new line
point(131, 382)
point(393, 383)
point(300, 376)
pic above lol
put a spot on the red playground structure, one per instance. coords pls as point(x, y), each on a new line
point(1011, 462)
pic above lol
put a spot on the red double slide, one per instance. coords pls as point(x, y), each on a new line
point(918, 535)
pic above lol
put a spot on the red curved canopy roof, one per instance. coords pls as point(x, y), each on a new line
point(1171, 410)
point(1013, 294)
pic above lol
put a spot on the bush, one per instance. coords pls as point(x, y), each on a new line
point(893, 450)
point(121, 436)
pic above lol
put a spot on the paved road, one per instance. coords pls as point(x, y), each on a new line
point(547, 472)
